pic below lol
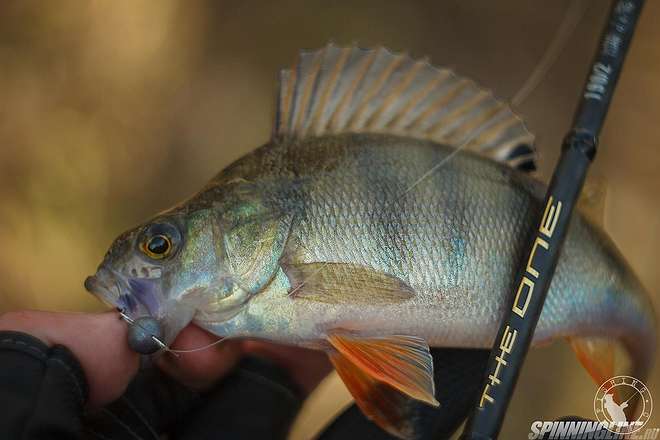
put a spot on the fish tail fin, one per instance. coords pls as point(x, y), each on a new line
point(630, 326)
point(597, 356)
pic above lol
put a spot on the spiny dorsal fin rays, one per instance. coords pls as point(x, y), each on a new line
point(327, 92)
point(284, 99)
point(345, 94)
point(337, 90)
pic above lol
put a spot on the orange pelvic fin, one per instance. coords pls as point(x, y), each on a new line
point(383, 374)
point(596, 355)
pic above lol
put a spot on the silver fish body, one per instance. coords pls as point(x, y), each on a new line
point(455, 237)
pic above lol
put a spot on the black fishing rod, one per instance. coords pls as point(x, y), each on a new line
point(578, 151)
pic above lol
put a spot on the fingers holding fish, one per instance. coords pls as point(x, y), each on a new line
point(98, 341)
point(200, 369)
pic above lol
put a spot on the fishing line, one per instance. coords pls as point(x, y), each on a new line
point(163, 345)
point(435, 167)
point(205, 347)
point(572, 17)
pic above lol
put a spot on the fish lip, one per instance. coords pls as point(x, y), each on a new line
point(104, 286)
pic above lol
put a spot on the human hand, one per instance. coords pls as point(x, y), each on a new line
point(99, 343)
point(97, 340)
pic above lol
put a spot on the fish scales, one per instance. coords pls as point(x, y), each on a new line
point(455, 238)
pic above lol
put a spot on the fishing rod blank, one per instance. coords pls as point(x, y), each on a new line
point(579, 148)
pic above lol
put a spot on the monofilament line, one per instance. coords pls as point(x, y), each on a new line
point(205, 347)
point(572, 17)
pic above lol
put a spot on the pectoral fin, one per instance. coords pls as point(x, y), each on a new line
point(596, 355)
point(383, 374)
point(335, 283)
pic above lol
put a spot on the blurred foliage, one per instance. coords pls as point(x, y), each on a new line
point(112, 111)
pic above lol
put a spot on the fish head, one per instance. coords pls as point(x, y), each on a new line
point(162, 269)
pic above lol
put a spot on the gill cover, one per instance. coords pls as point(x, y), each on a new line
point(254, 235)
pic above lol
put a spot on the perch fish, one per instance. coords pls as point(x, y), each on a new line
point(359, 230)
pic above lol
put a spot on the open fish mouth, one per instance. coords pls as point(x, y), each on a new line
point(136, 297)
point(104, 286)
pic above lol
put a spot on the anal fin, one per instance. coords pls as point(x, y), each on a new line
point(386, 375)
point(378, 401)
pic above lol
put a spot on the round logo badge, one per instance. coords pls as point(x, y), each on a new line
point(617, 394)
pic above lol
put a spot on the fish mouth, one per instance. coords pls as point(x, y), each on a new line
point(138, 298)
point(104, 286)
point(127, 295)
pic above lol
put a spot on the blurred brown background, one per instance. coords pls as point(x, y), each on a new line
point(111, 111)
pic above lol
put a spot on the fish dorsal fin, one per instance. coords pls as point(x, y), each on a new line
point(339, 90)
point(383, 374)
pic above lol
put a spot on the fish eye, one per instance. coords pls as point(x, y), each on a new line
point(159, 240)
point(158, 247)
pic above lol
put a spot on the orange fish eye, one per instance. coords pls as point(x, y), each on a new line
point(157, 247)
